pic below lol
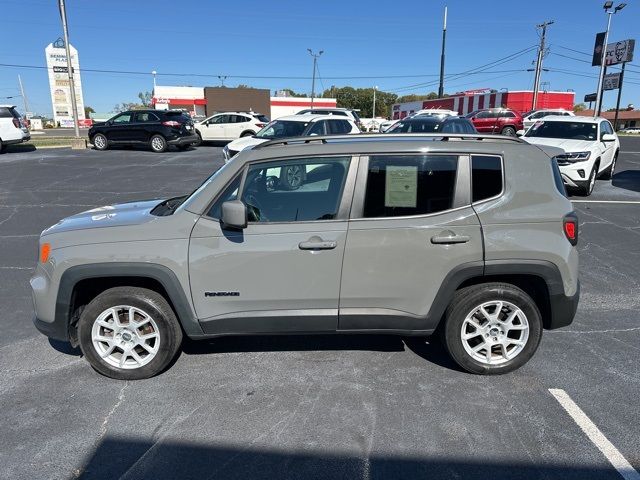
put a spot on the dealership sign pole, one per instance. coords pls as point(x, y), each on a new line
point(72, 87)
point(615, 120)
point(444, 37)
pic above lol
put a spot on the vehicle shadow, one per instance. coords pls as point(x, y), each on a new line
point(20, 148)
point(214, 143)
point(629, 180)
point(65, 347)
point(160, 459)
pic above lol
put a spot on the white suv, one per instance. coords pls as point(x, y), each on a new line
point(230, 125)
point(294, 126)
point(530, 118)
point(12, 128)
point(590, 144)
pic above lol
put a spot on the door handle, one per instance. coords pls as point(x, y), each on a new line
point(317, 244)
point(446, 238)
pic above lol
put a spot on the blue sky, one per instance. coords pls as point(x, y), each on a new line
point(270, 39)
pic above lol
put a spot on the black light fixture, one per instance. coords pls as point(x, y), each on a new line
point(607, 5)
point(620, 7)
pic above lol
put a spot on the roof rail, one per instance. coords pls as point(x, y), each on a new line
point(389, 136)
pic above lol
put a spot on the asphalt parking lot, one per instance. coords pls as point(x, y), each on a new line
point(312, 406)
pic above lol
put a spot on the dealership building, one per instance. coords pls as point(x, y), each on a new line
point(205, 101)
point(467, 102)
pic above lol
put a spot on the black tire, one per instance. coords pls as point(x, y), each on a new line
point(608, 174)
point(587, 187)
point(509, 131)
point(3, 147)
point(247, 134)
point(465, 301)
point(158, 144)
point(152, 303)
point(100, 142)
point(199, 142)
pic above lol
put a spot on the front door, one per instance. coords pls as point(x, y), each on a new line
point(120, 128)
point(214, 127)
point(282, 272)
point(412, 225)
point(607, 148)
point(484, 121)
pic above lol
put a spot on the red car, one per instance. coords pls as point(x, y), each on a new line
point(496, 120)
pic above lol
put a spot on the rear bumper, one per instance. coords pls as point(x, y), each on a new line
point(186, 140)
point(563, 309)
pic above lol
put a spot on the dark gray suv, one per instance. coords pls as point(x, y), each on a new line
point(470, 237)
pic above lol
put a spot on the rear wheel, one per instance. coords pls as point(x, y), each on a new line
point(492, 328)
point(199, 142)
point(3, 147)
point(100, 142)
point(510, 131)
point(158, 143)
point(129, 333)
point(247, 134)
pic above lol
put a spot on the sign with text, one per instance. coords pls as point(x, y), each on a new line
point(619, 52)
point(611, 81)
point(59, 86)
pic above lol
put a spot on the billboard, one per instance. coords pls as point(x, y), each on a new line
point(619, 52)
point(59, 83)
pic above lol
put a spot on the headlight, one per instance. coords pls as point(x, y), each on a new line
point(572, 157)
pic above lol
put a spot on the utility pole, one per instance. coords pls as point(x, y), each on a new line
point(615, 120)
point(536, 84)
point(444, 37)
point(373, 115)
point(72, 86)
point(24, 98)
point(313, 81)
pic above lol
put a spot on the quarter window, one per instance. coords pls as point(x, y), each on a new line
point(400, 185)
point(295, 190)
point(486, 177)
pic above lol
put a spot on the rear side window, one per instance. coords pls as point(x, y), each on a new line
point(486, 177)
point(339, 126)
point(400, 185)
point(263, 118)
point(508, 115)
point(5, 112)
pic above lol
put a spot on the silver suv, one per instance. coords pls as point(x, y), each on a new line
point(467, 236)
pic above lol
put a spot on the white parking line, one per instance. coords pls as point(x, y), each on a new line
point(630, 202)
point(616, 459)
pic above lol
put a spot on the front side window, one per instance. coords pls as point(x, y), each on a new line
point(400, 185)
point(295, 190)
point(339, 127)
point(486, 176)
point(122, 118)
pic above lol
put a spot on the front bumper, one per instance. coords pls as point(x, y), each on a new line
point(186, 140)
point(563, 309)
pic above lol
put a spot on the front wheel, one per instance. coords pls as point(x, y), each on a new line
point(129, 333)
point(587, 188)
point(100, 142)
point(492, 328)
point(158, 143)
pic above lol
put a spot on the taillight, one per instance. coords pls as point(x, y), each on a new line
point(172, 123)
point(16, 123)
point(260, 125)
point(570, 227)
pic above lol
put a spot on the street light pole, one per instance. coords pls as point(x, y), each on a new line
point(72, 86)
point(373, 115)
point(599, 93)
point(313, 81)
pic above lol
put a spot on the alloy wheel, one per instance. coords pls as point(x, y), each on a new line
point(99, 142)
point(125, 337)
point(495, 332)
point(157, 144)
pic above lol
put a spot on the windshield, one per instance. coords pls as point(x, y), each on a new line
point(282, 128)
point(568, 130)
point(416, 127)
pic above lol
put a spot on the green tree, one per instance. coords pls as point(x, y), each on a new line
point(145, 98)
point(362, 99)
point(87, 111)
point(418, 98)
point(579, 107)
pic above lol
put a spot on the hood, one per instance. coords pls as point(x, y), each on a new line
point(98, 124)
point(241, 143)
point(567, 145)
point(123, 214)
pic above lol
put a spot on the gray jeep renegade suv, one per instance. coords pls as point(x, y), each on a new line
point(467, 236)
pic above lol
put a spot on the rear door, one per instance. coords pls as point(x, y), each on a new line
point(411, 226)
point(140, 127)
point(282, 272)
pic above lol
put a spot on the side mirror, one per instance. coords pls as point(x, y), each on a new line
point(608, 137)
point(520, 133)
point(234, 214)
